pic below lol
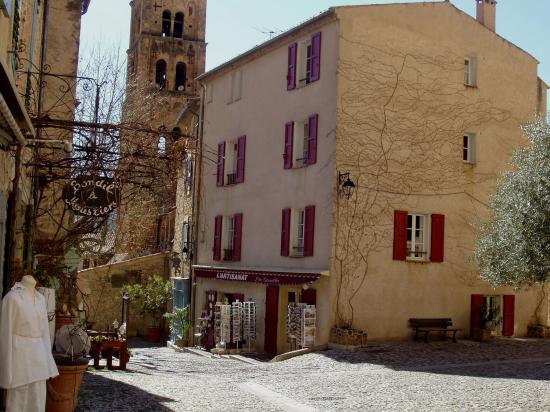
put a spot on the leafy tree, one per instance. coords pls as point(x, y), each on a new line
point(153, 297)
point(513, 247)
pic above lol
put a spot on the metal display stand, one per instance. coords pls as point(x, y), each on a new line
point(249, 323)
point(300, 326)
point(236, 319)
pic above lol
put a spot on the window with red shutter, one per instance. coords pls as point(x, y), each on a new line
point(316, 57)
point(291, 72)
point(289, 142)
point(237, 236)
point(285, 233)
point(309, 297)
point(221, 164)
point(438, 238)
point(309, 235)
point(508, 312)
point(400, 235)
point(241, 153)
point(312, 139)
point(218, 238)
point(476, 303)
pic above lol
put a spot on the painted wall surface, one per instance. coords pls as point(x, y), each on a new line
point(402, 111)
point(269, 188)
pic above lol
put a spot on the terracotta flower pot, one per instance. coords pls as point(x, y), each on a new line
point(62, 395)
point(153, 335)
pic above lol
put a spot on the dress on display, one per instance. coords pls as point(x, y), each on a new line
point(25, 351)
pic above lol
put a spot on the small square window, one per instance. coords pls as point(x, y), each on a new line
point(470, 71)
point(469, 148)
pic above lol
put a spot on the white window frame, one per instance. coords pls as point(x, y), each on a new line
point(422, 255)
point(297, 232)
point(209, 93)
point(235, 86)
point(304, 63)
point(469, 143)
point(231, 149)
point(300, 144)
point(228, 230)
point(470, 71)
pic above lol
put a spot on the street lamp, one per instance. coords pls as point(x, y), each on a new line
point(346, 187)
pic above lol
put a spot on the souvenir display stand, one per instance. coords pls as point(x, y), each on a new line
point(222, 323)
point(300, 326)
point(249, 324)
point(236, 322)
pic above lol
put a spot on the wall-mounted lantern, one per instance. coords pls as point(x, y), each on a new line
point(346, 187)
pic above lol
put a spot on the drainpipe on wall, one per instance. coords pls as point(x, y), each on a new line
point(196, 212)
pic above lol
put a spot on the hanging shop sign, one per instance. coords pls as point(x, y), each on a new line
point(272, 278)
point(88, 196)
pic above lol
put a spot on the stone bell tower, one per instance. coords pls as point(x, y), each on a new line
point(167, 52)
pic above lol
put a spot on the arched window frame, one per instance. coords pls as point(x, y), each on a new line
point(181, 77)
point(179, 20)
point(166, 23)
point(160, 74)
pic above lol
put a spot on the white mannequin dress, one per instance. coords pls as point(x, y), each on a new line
point(26, 360)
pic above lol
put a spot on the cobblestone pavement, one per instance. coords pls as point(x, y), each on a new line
point(506, 374)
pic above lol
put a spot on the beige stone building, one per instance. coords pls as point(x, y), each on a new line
point(37, 42)
point(419, 105)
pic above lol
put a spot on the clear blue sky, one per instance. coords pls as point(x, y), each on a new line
point(234, 26)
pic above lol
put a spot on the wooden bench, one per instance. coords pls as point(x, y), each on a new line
point(433, 325)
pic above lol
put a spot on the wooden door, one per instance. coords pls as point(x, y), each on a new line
point(271, 318)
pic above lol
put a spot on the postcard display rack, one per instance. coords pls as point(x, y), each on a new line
point(249, 324)
point(300, 326)
point(235, 323)
point(222, 323)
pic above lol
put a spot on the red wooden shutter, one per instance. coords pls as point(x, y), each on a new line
point(218, 238)
point(508, 312)
point(400, 235)
point(309, 231)
point(241, 154)
point(309, 297)
point(475, 312)
point(316, 57)
point(289, 140)
point(237, 236)
point(221, 164)
point(312, 140)
point(285, 233)
point(291, 73)
point(438, 238)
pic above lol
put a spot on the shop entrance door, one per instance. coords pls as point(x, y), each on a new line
point(271, 318)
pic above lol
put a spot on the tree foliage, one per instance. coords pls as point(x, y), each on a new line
point(153, 296)
point(513, 247)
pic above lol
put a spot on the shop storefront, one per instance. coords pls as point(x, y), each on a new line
point(261, 311)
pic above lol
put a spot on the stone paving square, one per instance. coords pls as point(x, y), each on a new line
point(504, 375)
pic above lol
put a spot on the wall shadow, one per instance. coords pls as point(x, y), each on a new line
point(99, 393)
point(500, 358)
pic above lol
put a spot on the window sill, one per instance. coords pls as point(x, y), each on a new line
point(470, 86)
point(468, 163)
point(417, 260)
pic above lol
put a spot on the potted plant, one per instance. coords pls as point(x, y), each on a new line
point(153, 297)
point(178, 322)
point(72, 345)
point(490, 319)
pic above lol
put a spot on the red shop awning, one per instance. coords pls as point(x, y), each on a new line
point(270, 278)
